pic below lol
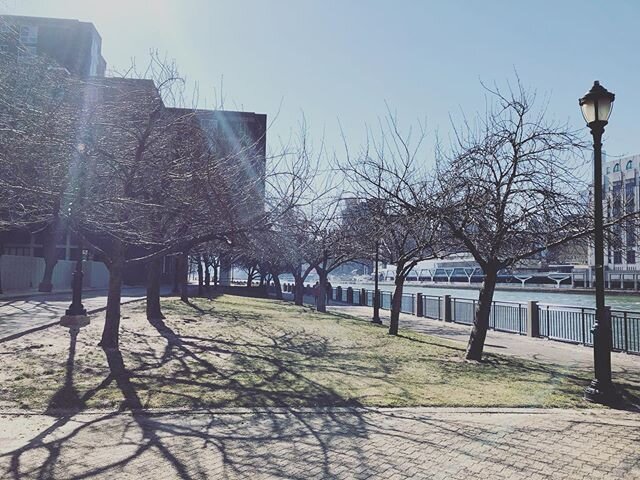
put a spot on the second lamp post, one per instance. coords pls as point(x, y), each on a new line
point(596, 108)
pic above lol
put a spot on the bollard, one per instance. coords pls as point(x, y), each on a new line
point(363, 297)
point(419, 305)
point(533, 326)
point(446, 308)
point(339, 294)
point(350, 295)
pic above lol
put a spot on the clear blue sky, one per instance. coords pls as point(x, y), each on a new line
point(344, 58)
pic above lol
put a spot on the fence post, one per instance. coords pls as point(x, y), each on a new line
point(419, 305)
point(607, 313)
point(626, 333)
point(446, 307)
point(363, 297)
point(339, 293)
point(533, 326)
point(350, 295)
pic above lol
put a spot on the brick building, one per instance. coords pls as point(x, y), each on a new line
point(72, 44)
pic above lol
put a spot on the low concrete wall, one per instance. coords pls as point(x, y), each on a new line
point(25, 273)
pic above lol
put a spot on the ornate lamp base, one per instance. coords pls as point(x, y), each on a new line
point(605, 394)
point(75, 321)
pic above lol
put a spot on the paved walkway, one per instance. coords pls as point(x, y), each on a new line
point(24, 314)
point(324, 444)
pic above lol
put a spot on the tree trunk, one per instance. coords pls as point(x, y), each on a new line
point(200, 276)
point(321, 302)
point(207, 277)
point(110, 332)
point(215, 275)
point(298, 294)
point(154, 311)
point(184, 277)
point(278, 285)
point(396, 302)
point(176, 275)
point(1, 253)
point(50, 239)
point(481, 319)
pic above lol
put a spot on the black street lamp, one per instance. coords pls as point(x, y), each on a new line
point(596, 108)
point(76, 307)
point(376, 292)
point(76, 315)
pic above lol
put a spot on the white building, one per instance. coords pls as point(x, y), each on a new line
point(621, 195)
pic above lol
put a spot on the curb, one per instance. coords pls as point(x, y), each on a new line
point(337, 410)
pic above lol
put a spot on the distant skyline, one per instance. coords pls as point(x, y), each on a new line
point(342, 60)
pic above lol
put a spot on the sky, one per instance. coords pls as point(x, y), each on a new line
point(340, 62)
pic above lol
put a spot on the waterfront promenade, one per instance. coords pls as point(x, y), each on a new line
point(287, 441)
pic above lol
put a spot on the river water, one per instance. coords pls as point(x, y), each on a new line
point(561, 297)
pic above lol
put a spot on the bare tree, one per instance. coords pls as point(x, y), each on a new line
point(38, 118)
point(509, 189)
point(394, 213)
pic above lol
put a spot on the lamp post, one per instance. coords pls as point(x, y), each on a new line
point(376, 292)
point(596, 108)
point(76, 315)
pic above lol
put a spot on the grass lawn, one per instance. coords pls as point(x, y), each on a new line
point(241, 352)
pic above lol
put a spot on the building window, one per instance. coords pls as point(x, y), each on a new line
point(18, 251)
point(616, 167)
point(629, 165)
point(617, 257)
point(631, 256)
point(28, 35)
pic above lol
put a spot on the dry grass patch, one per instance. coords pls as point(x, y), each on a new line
point(240, 352)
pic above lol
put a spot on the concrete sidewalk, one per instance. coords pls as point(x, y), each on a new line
point(39, 311)
point(31, 293)
point(328, 443)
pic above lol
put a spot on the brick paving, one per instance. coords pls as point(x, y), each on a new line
point(324, 444)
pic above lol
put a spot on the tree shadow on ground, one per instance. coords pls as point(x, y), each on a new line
point(67, 399)
point(62, 448)
point(249, 445)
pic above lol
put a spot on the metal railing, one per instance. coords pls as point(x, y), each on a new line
point(431, 306)
point(407, 303)
point(626, 331)
point(566, 323)
point(509, 317)
point(462, 310)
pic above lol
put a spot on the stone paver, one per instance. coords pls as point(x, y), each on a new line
point(329, 443)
